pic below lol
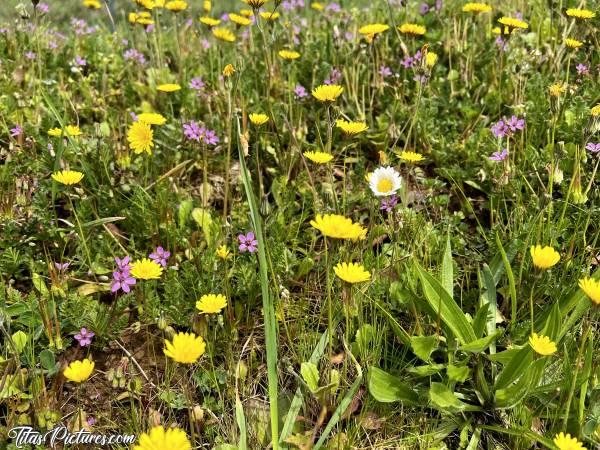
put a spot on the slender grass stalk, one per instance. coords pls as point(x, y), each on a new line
point(268, 307)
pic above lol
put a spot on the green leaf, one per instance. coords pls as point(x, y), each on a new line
point(364, 337)
point(427, 370)
point(47, 359)
point(488, 297)
point(458, 373)
point(515, 367)
point(443, 398)
point(423, 346)
point(204, 220)
point(445, 307)
point(388, 388)
point(20, 341)
point(447, 275)
point(39, 284)
point(480, 319)
point(480, 345)
point(310, 374)
point(512, 395)
point(185, 209)
point(552, 328)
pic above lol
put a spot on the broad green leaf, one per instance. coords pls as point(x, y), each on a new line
point(241, 422)
point(480, 345)
point(512, 395)
point(515, 368)
point(480, 320)
point(20, 341)
point(310, 374)
point(364, 337)
point(505, 356)
point(488, 297)
point(388, 388)
point(443, 398)
point(458, 373)
point(498, 265)
point(39, 284)
point(447, 275)
point(426, 371)
point(423, 346)
point(204, 220)
point(475, 438)
point(185, 209)
point(552, 328)
point(445, 307)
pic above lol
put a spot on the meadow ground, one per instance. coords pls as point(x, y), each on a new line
point(250, 225)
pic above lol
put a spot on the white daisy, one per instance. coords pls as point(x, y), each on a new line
point(385, 181)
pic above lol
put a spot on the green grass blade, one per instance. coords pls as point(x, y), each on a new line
point(268, 307)
point(241, 422)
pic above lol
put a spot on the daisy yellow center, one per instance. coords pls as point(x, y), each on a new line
point(384, 185)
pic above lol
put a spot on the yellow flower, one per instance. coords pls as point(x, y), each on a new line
point(239, 20)
point(317, 6)
point(228, 70)
point(258, 119)
point(223, 34)
point(72, 130)
point(338, 227)
point(352, 272)
point(207, 6)
point(246, 12)
point(591, 288)
point(595, 111)
point(211, 303)
point(164, 439)
point(566, 442)
point(351, 128)
point(542, 344)
point(373, 29)
point(67, 177)
point(55, 132)
point(186, 348)
point(210, 21)
point(327, 92)
point(255, 3)
point(176, 5)
point(431, 59)
point(411, 157)
point(132, 17)
point(144, 21)
point(289, 54)
point(140, 137)
point(152, 118)
point(573, 43)
point(267, 15)
point(92, 4)
point(556, 89)
point(412, 28)
point(168, 87)
point(223, 252)
point(580, 13)
point(505, 30)
point(476, 8)
point(319, 157)
point(79, 371)
point(544, 257)
point(146, 269)
point(513, 23)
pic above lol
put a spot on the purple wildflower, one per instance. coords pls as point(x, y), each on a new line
point(160, 256)
point(122, 280)
point(385, 71)
point(582, 69)
point(501, 43)
point(211, 138)
point(248, 243)
point(388, 203)
point(193, 131)
point(205, 44)
point(16, 131)
point(84, 337)
point(333, 7)
point(300, 91)
point(407, 62)
point(424, 9)
point(594, 148)
point(197, 83)
point(421, 78)
point(80, 61)
point(133, 54)
point(91, 421)
point(500, 129)
point(514, 123)
point(43, 8)
point(123, 264)
point(334, 77)
point(52, 44)
point(61, 267)
point(349, 36)
point(499, 156)
point(30, 55)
